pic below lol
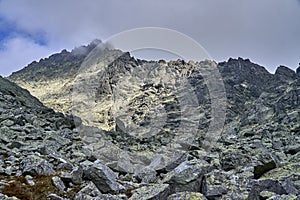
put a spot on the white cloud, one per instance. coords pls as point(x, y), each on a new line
point(18, 51)
point(64, 22)
point(267, 31)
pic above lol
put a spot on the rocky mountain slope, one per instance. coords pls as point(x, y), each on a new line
point(161, 130)
point(50, 79)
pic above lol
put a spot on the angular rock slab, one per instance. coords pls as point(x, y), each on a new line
point(153, 192)
point(103, 177)
point(228, 185)
point(34, 165)
point(187, 176)
point(90, 191)
point(187, 196)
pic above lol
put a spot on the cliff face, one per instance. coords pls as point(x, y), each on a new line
point(51, 79)
point(114, 86)
point(170, 129)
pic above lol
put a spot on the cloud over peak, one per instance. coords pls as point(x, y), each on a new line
point(265, 31)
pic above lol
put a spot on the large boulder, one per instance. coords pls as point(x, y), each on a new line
point(228, 185)
point(103, 177)
point(187, 176)
point(153, 192)
point(34, 165)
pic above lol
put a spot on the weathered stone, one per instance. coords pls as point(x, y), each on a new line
point(75, 176)
point(40, 122)
point(58, 183)
point(153, 192)
point(7, 123)
point(4, 197)
point(287, 177)
point(16, 144)
point(266, 194)
point(146, 175)
point(88, 192)
point(64, 166)
point(266, 185)
point(176, 162)
point(285, 72)
point(56, 197)
point(293, 149)
point(187, 196)
point(232, 159)
point(103, 177)
point(34, 165)
point(29, 180)
point(187, 176)
point(284, 197)
point(109, 197)
point(230, 185)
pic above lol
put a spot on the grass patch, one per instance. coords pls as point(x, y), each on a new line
point(18, 187)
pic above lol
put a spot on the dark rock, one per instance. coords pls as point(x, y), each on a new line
point(298, 70)
point(232, 159)
point(287, 175)
point(290, 186)
point(187, 196)
point(153, 192)
point(266, 185)
point(228, 185)
point(88, 192)
point(75, 176)
point(146, 175)
point(4, 197)
point(34, 165)
point(187, 176)
point(21, 121)
point(284, 197)
point(7, 123)
point(285, 72)
point(64, 166)
point(176, 162)
point(104, 178)
point(15, 144)
point(20, 95)
point(213, 188)
point(69, 122)
point(56, 197)
point(293, 149)
point(259, 170)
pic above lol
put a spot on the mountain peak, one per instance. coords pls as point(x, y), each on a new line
point(86, 49)
point(285, 72)
point(95, 42)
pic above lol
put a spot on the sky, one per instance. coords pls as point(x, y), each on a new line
point(265, 31)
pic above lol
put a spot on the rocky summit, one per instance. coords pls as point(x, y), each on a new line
point(104, 125)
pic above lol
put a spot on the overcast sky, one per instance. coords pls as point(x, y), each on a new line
point(266, 31)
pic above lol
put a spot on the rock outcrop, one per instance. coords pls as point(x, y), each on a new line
point(151, 130)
